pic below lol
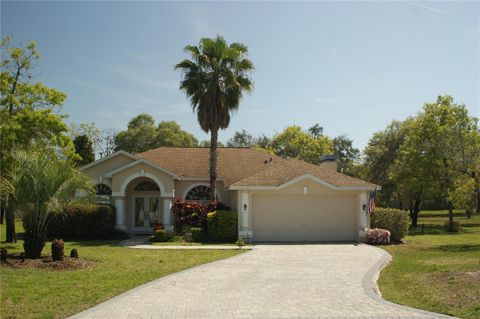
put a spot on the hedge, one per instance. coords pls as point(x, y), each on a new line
point(85, 222)
point(394, 220)
point(222, 226)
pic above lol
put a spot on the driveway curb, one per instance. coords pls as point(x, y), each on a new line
point(370, 286)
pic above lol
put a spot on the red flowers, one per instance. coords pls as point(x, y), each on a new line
point(378, 236)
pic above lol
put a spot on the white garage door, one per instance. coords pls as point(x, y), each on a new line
point(304, 218)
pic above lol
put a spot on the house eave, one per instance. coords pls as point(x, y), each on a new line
point(303, 177)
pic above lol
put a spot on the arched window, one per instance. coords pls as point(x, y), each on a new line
point(102, 189)
point(200, 192)
point(147, 187)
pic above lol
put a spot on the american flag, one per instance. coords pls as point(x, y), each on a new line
point(371, 202)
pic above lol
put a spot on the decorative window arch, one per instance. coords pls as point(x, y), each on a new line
point(102, 189)
point(199, 192)
point(147, 186)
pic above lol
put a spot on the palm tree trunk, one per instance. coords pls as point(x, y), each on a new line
point(213, 163)
point(33, 244)
point(10, 221)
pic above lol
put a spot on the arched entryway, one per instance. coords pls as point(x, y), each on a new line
point(144, 204)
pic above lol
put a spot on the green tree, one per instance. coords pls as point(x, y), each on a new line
point(241, 139)
point(380, 155)
point(39, 185)
point(103, 140)
point(171, 134)
point(29, 113)
point(347, 155)
point(215, 79)
point(294, 142)
point(142, 135)
point(206, 143)
point(431, 158)
point(316, 130)
point(84, 149)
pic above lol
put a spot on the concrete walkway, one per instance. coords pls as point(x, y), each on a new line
point(270, 281)
point(142, 242)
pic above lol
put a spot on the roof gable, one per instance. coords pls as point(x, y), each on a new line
point(107, 158)
point(140, 161)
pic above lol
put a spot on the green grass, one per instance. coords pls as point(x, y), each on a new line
point(35, 293)
point(436, 270)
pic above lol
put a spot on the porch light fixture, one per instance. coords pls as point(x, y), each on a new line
point(305, 189)
point(364, 207)
point(244, 207)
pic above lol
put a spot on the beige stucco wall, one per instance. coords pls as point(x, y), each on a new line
point(107, 166)
point(119, 179)
point(183, 186)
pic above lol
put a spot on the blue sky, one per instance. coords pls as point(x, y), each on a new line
point(350, 66)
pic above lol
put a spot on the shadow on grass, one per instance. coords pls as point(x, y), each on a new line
point(434, 229)
point(457, 248)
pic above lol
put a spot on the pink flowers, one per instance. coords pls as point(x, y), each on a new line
point(378, 236)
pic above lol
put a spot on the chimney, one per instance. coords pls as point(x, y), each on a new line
point(329, 162)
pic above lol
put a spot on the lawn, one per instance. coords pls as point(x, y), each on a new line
point(35, 293)
point(435, 270)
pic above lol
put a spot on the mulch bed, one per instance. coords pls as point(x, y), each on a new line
point(45, 262)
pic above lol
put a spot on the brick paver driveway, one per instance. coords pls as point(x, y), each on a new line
point(271, 281)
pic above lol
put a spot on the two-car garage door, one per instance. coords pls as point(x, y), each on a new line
point(304, 218)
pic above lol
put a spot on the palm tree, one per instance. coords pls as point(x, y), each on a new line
point(40, 186)
point(215, 79)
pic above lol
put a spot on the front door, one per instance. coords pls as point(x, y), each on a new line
point(145, 212)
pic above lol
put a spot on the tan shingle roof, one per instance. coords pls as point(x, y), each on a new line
point(234, 164)
point(243, 166)
point(287, 170)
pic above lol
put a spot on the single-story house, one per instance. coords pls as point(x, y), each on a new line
point(276, 199)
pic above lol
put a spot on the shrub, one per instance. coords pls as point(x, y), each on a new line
point(57, 249)
point(452, 226)
point(189, 214)
point(222, 225)
point(240, 243)
point(198, 234)
point(377, 236)
point(161, 236)
point(394, 220)
point(74, 253)
point(85, 221)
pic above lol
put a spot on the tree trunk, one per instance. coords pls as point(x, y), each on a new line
point(213, 163)
point(450, 212)
point(2, 214)
point(33, 244)
point(478, 202)
point(10, 219)
point(416, 210)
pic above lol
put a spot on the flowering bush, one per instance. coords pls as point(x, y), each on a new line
point(188, 214)
point(377, 236)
